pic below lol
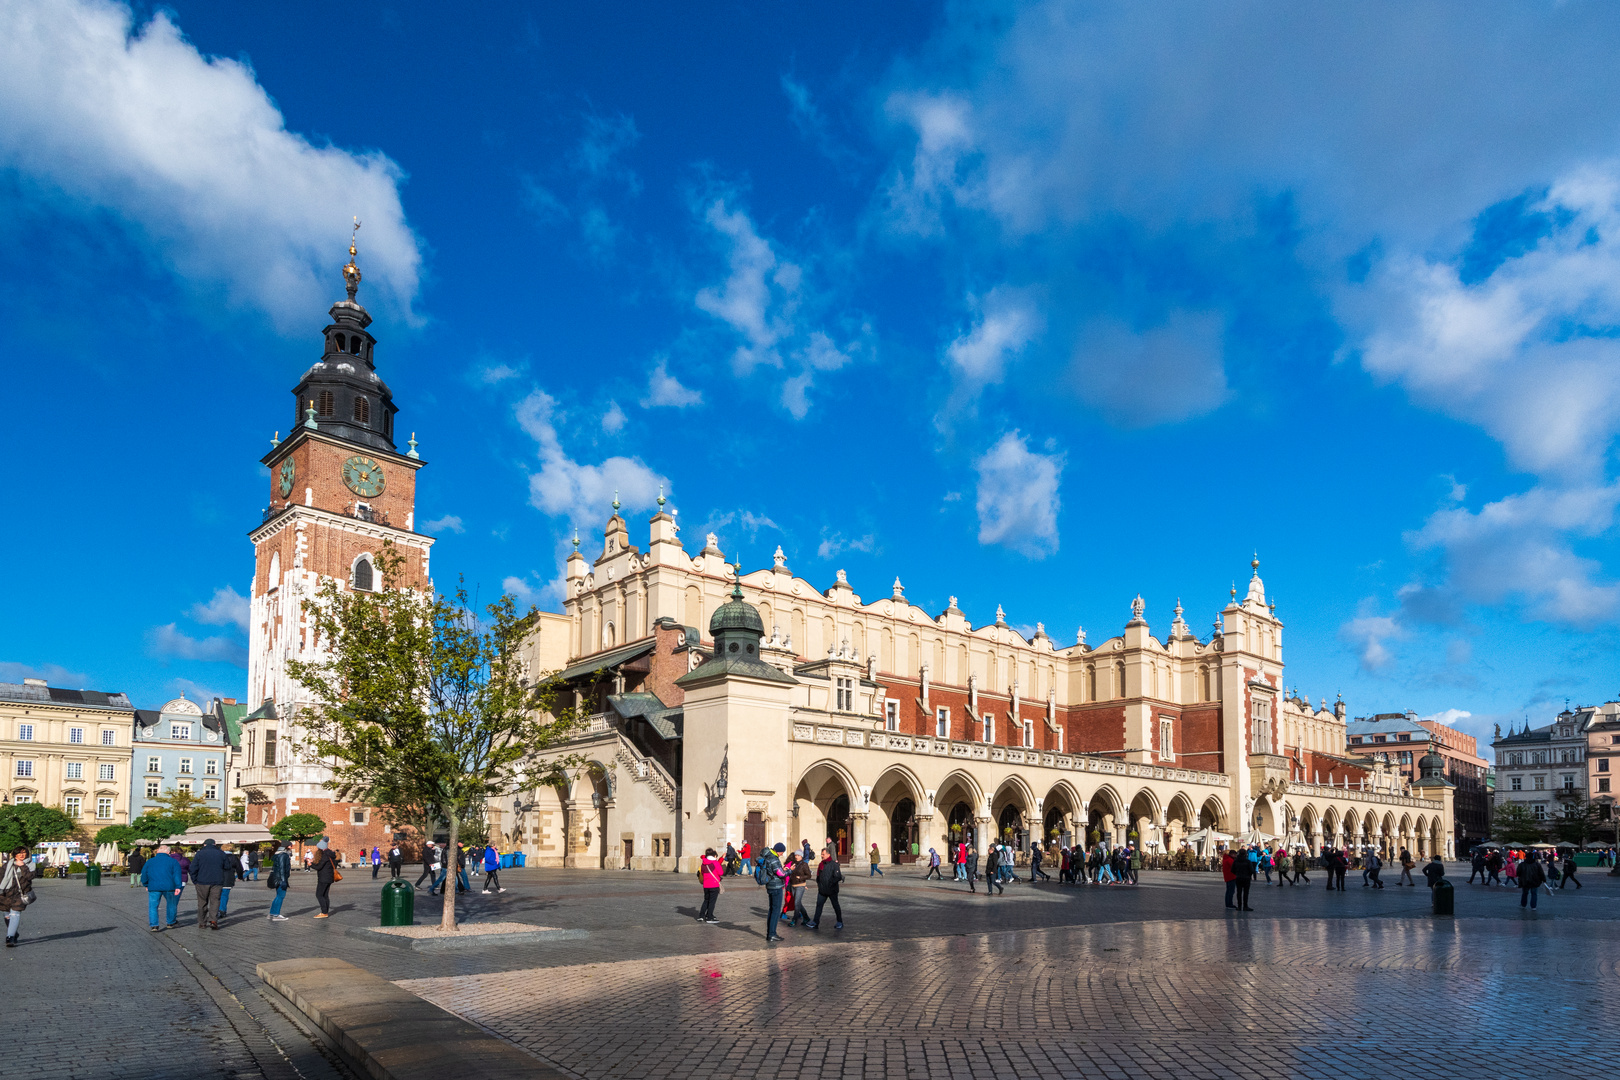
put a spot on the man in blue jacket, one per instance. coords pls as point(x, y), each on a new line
point(209, 872)
point(161, 876)
point(492, 869)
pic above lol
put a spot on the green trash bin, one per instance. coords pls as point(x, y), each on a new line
point(398, 903)
point(1445, 898)
point(92, 874)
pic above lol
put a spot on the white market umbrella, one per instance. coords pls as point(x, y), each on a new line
point(109, 855)
point(58, 856)
point(224, 833)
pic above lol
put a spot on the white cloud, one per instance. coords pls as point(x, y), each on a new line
point(567, 488)
point(1165, 374)
point(1450, 717)
point(664, 389)
point(448, 523)
point(836, 543)
point(1018, 497)
point(613, 420)
point(762, 300)
point(55, 674)
point(1369, 635)
point(525, 594)
point(194, 155)
point(227, 608)
point(168, 643)
point(497, 373)
point(1006, 320)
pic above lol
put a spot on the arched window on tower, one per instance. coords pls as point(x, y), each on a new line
point(342, 343)
point(388, 423)
point(362, 410)
point(1119, 680)
point(362, 573)
point(354, 344)
point(325, 404)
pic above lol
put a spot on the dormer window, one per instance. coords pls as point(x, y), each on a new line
point(325, 404)
point(362, 410)
point(362, 574)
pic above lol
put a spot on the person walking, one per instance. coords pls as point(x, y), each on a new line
point(430, 867)
point(137, 859)
point(933, 866)
point(281, 865)
point(873, 863)
point(1266, 864)
point(161, 876)
point(1435, 872)
point(1036, 857)
point(462, 884)
point(798, 879)
point(770, 874)
point(233, 874)
point(1300, 868)
point(1375, 867)
point(1478, 862)
point(829, 875)
point(710, 872)
point(1569, 871)
point(492, 869)
point(1133, 864)
point(1341, 866)
point(1530, 878)
point(1407, 863)
point(747, 856)
point(376, 861)
point(1493, 864)
point(970, 867)
point(326, 872)
point(208, 872)
point(992, 869)
point(1243, 871)
point(16, 892)
point(1229, 875)
point(396, 859)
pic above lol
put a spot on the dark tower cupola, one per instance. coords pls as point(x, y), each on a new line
point(349, 399)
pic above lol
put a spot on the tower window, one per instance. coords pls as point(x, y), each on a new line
point(325, 404)
point(362, 574)
point(342, 343)
point(362, 410)
point(354, 345)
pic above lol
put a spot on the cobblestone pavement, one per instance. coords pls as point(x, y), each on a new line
point(927, 979)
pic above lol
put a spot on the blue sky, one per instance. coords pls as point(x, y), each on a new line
point(1036, 305)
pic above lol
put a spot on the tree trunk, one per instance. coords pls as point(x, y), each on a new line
point(452, 878)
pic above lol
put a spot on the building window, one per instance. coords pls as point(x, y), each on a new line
point(183, 785)
point(1091, 682)
point(180, 732)
point(1603, 764)
point(211, 767)
point(1204, 690)
point(1355, 740)
point(1167, 746)
point(942, 723)
point(105, 774)
point(1569, 782)
point(185, 765)
point(1404, 736)
point(846, 694)
point(358, 816)
point(325, 404)
point(362, 574)
point(104, 808)
point(1029, 734)
point(1380, 738)
point(891, 715)
point(362, 410)
point(24, 800)
point(1517, 783)
point(211, 791)
point(1260, 739)
point(25, 732)
point(76, 736)
point(989, 727)
point(75, 770)
point(1540, 810)
point(151, 789)
point(269, 749)
point(1538, 782)
point(71, 804)
point(109, 737)
point(153, 764)
point(1603, 784)
point(1405, 757)
point(1119, 680)
point(25, 768)
point(1515, 759)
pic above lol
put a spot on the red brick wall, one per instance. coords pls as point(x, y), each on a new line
point(665, 666)
point(1095, 729)
point(319, 466)
point(346, 838)
point(1198, 738)
point(1314, 762)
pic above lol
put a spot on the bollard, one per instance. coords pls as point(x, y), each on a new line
point(1445, 898)
point(398, 903)
point(92, 874)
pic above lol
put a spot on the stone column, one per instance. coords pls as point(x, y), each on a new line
point(572, 841)
point(983, 834)
point(926, 840)
point(858, 855)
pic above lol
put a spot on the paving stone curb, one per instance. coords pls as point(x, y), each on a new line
point(471, 941)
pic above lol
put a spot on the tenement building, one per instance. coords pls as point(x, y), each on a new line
point(731, 707)
point(1603, 767)
point(1545, 767)
point(66, 748)
point(340, 494)
point(180, 748)
point(1402, 740)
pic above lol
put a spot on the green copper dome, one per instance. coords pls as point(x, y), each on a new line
point(736, 614)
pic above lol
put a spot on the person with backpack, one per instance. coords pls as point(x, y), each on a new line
point(933, 866)
point(1036, 857)
point(1569, 871)
point(281, 865)
point(1435, 872)
point(769, 873)
point(1299, 868)
point(710, 871)
point(1530, 878)
point(829, 875)
point(396, 859)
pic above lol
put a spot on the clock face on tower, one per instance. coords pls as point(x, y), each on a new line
point(363, 476)
point(285, 477)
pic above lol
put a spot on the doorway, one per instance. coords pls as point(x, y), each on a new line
point(903, 832)
point(838, 826)
point(754, 832)
point(629, 851)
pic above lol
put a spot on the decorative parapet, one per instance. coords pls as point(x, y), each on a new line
point(1327, 791)
point(833, 735)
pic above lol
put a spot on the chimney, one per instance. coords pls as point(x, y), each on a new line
point(33, 682)
point(229, 700)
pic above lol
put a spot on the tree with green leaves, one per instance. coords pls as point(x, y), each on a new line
point(423, 709)
point(1513, 823)
point(151, 827)
point(121, 835)
point(298, 828)
point(31, 824)
point(1578, 821)
point(238, 811)
point(187, 806)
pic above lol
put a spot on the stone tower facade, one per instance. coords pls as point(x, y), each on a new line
point(339, 491)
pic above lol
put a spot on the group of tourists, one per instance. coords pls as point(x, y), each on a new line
point(785, 876)
point(213, 870)
point(1529, 870)
point(436, 867)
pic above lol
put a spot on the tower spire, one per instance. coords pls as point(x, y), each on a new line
point(351, 272)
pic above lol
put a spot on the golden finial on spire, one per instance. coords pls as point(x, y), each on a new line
point(351, 272)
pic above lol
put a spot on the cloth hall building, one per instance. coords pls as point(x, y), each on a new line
point(732, 707)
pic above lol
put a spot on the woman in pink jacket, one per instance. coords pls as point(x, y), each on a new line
point(710, 871)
